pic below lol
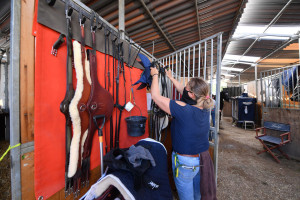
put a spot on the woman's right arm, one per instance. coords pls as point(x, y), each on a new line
point(177, 84)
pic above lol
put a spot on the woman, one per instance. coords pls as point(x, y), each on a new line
point(189, 131)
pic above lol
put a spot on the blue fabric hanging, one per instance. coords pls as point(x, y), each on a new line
point(146, 78)
point(289, 78)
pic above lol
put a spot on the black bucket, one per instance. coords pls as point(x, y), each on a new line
point(136, 125)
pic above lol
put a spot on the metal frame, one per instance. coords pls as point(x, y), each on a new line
point(267, 79)
point(14, 98)
point(86, 11)
point(205, 50)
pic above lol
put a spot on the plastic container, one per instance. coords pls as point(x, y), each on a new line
point(136, 125)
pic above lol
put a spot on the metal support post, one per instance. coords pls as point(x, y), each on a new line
point(14, 98)
point(256, 86)
point(7, 129)
point(218, 75)
point(239, 79)
point(122, 19)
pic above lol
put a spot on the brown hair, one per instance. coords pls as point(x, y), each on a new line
point(200, 88)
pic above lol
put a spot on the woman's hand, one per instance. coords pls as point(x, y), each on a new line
point(169, 73)
point(153, 71)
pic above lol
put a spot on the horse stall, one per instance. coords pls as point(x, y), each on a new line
point(281, 103)
point(49, 146)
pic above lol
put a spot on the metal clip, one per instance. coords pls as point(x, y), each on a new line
point(57, 44)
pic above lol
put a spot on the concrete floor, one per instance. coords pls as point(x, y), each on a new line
point(242, 174)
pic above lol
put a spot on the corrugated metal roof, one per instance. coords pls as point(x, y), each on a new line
point(4, 23)
point(177, 19)
point(261, 13)
point(185, 22)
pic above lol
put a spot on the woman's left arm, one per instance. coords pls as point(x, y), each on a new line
point(161, 101)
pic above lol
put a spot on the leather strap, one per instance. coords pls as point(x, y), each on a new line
point(100, 103)
point(64, 106)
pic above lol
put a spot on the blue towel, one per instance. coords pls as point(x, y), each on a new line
point(146, 78)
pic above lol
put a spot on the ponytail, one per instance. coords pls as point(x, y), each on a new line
point(206, 102)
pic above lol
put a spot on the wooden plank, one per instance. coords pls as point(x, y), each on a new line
point(27, 175)
point(60, 195)
point(27, 72)
point(27, 97)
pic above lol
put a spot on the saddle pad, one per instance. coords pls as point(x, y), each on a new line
point(270, 139)
point(123, 180)
point(49, 122)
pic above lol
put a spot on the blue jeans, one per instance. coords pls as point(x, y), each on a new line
point(188, 180)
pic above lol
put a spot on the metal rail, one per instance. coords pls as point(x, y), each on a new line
point(281, 87)
point(186, 63)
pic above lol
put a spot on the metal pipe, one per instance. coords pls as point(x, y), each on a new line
point(14, 98)
point(180, 75)
point(122, 19)
point(272, 97)
point(194, 61)
point(280, 89)
point(211, 61)
point(172, 95)
point(205, 48)
point(265, 88)
point(176, 75)
point(199, 53)
point(261, 88)
point(298, 83)
point(157, 25)
point(7, 63)
point(256, 87)
point(218, 74)
point(198, 20)
point(189, 64)
point(183, 67)
point(170, 88)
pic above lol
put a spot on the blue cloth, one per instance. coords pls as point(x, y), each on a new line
point(146, 78)
point(246, 106)
point(289, 78)
point(189, 129)
point(188, 180)
point(156, 183)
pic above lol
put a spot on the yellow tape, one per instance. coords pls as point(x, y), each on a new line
point(8, 149)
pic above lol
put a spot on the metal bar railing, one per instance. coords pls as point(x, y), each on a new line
point(281, 87)
point(184, 64)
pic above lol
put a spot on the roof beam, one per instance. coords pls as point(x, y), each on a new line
point(198, 20)
point(157, 25)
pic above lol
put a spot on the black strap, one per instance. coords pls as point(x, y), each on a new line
point(64, 106)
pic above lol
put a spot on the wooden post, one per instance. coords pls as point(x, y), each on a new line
point(27, 98)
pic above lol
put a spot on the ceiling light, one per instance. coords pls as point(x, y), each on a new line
point(229, 75)
point(230, 57)
point(244, 31)
point(232, 69)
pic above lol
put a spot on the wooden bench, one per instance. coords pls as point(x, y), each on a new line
point(273, 142)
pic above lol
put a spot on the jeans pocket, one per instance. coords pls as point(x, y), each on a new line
point(187, 173)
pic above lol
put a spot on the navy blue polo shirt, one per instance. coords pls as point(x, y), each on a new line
point(189, 129)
